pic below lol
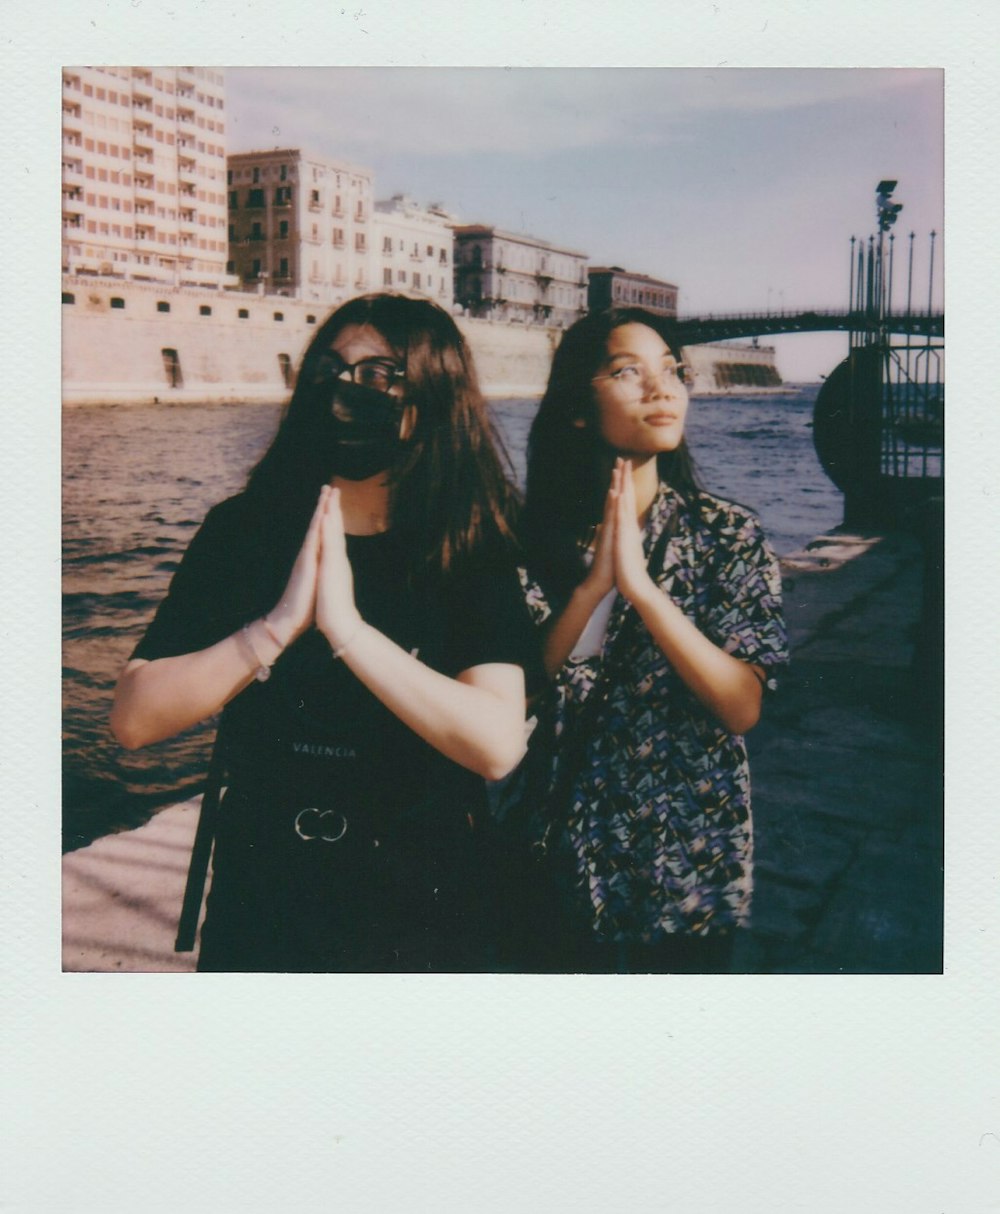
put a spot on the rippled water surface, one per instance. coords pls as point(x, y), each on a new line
point(138, 481)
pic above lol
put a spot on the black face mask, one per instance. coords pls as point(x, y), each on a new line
point(364, 429)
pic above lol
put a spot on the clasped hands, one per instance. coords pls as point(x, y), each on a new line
point(320, 589)
point(619, 560)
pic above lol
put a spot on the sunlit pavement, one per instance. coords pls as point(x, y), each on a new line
point(846, 798)
point(122, 897)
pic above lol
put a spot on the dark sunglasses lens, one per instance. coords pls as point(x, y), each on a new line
point(373, 375)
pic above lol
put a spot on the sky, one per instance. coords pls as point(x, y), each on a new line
point(743, 186)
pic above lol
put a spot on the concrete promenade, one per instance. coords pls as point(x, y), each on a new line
point(847, 797)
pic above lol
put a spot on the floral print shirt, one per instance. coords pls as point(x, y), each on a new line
point(659, 834)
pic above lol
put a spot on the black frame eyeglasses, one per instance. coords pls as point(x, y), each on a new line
point(377, 374)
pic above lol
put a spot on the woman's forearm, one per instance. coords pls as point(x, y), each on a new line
point(476, 720)
point(726, 686)
point(568, 627)
point(157, 699)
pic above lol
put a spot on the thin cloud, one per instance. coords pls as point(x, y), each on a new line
point(443, 112)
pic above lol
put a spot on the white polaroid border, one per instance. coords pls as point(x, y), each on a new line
point(265, 1092)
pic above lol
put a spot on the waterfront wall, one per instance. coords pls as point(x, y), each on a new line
point(720, 367)
point(143, 343)
point(139, 343)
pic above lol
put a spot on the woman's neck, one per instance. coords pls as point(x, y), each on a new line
point(367, 504)
point(646, 477)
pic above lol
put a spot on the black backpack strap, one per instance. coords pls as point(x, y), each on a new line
point(187, 927)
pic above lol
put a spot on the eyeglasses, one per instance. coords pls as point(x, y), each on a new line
point(635, 376)
point(379, 374)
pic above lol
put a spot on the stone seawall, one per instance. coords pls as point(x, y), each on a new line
point(143, 343)
point(139, 343)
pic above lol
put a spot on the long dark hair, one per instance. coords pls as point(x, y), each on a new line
point(450, 493)
point(568, 466)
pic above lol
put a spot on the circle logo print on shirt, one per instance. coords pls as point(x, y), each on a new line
point(327, 825)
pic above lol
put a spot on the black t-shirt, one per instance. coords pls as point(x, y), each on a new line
point(313, 732)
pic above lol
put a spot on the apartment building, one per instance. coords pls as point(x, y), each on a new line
point(415, 249)
point(510, 276)
point(611, 286)
point(144, 164)
point(300, 225)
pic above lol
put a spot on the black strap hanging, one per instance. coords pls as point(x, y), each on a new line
point(187, 927)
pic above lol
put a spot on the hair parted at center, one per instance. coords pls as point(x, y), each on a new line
point(451, 494)
point(568, 465)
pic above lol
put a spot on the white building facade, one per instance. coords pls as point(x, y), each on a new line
point(300, 225)
point(144, 168)
point(510, 276)
point(414, 249)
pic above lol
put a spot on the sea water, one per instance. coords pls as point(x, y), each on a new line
point(137, 481)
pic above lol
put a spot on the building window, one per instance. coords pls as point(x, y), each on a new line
point(285, 363)
point(359, 241)
point(68, 297)
point(283, 230)
point(234, 200)
point(172, 367)
point(162, 306)
point(256, 176)
point(284, 172)
point(282, 195)
point(386, 277)
point(430, 250)
point(229, 177)
point(283, 268)
point(387, 244)
point(255, 268)
point(243, 314)
point(401, 275)
point(205, 310)
point(255, 198)
point(230, 267)
point(416, 279)
point(279, 316)
point(310, 319)
point(117, 302)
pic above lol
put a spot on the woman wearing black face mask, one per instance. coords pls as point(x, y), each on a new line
point(353, 614)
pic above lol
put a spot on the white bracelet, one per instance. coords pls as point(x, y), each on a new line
point(262, 672)
point(341, 650)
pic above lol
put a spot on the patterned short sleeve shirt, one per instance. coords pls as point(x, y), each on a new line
point(659, 835)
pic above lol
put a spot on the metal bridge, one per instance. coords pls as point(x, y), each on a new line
point(697, 330)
